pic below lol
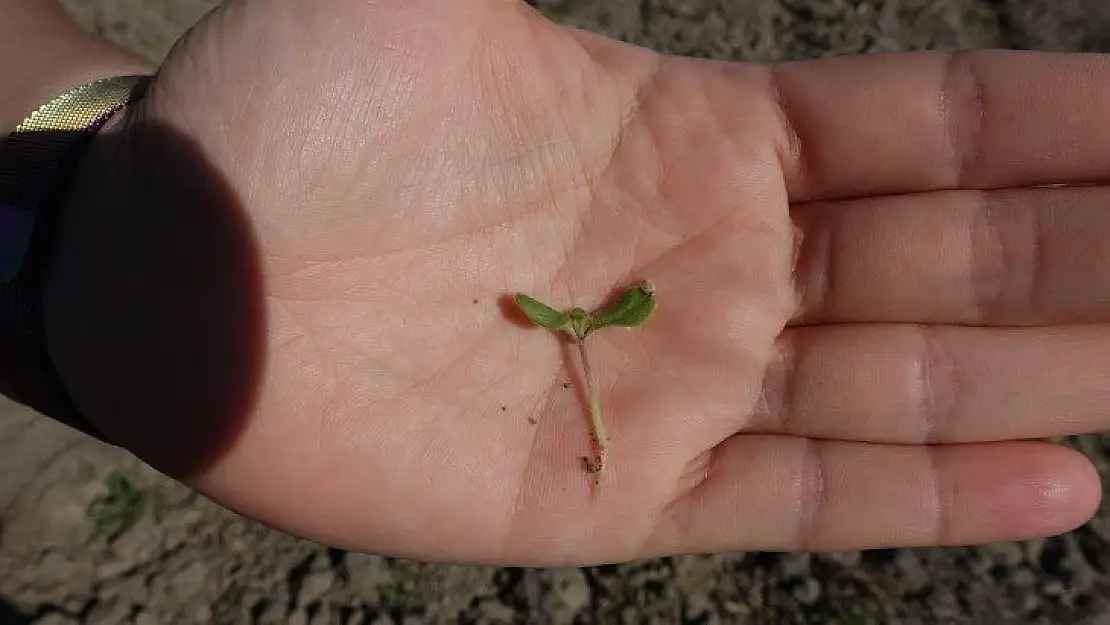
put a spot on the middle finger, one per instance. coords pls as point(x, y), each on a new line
point(1017, 257)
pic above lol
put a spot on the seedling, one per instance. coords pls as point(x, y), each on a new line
point(118, 508)
point(631, 309)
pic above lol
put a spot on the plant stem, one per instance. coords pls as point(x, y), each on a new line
point(597, 425)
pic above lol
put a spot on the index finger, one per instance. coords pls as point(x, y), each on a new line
point(899, 123)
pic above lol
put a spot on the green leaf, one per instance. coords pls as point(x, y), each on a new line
point(631, 309)
point(541, 314)
point(118, 508)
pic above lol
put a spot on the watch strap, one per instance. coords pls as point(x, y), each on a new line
point(37, 162)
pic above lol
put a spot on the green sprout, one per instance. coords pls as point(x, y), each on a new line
point(118, 508)
point(631, 309)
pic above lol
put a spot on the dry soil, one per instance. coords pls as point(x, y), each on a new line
point(185, 560)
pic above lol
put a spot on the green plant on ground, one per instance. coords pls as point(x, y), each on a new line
point(403, 578)
point(118, 507)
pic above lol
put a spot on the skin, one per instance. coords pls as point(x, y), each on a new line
point(870, 310)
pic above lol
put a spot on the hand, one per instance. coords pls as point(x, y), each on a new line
point(292, 263)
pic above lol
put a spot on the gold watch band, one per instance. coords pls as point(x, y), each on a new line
point(36, 158)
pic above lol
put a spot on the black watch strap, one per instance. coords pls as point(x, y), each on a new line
point(37, 161)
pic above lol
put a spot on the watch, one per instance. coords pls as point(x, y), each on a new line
point(37, 162)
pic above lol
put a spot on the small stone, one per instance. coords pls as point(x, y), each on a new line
point(76, 572)
point(366, 573)
point(685, 8)
point(322, 562)
point(74, 603)
point(735, 607)
point(795, 565)
point(111, 568)
point(1054, 588)
point(272, 612)
point(1033, 549)
point(755, 595)
point(915, 576)
point(109, 613)
point(697, 604)
point(808, 592)
point(300, 617)
point(315, 586)
point(133, 590)
point(850, 559)
point(55, 618)
point(138, 544)
point(573, 589)
point(497, 612)
point(189, 581)
point(145, 618)
point(1023, 577)
point(384, 619)
point(1009, 554)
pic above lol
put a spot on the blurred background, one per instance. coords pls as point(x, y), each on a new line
point(88, 535)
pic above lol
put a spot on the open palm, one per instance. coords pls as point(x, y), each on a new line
point(824, 301)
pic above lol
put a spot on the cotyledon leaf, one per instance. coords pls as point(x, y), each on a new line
point(631, 309)
point(541, 314)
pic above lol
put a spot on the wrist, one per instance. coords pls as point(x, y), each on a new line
point(55, 55)
point(37, 163)
point(152, 300)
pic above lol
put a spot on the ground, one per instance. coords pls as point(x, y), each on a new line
point(89, 535)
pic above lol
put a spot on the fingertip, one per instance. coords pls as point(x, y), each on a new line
point(1022, 491)
point(1070, 491)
